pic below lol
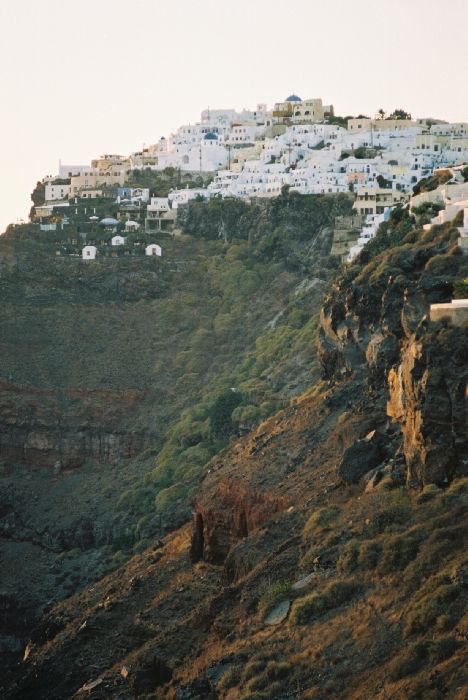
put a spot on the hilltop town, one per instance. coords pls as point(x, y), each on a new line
point(232, 467)
point(253, 154)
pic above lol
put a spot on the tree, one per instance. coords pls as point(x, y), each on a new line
point(220, 414)
point(383, 182)
point(399, 114)
point(381, 114)
point(38, 194)
point(460, 289)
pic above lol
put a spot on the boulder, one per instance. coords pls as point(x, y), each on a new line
point(279, 613)
point(360, 458)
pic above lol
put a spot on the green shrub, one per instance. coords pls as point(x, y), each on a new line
point(166, 499)
point(397, 512)
point(221, 423)
point(369, 554)
point(400, 550)
point(276, 670)
point(253, 668)
point(272, 678)
point(273, 595)
point(349, 557)
point(320, 519)
point(426, 611)
point(409, 661)
point(428, 493)
point(438, 546)
point(460, 288)
point(231, 678)
point(319, 602)
point(443, 648)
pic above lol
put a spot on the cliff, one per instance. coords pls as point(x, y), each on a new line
point(325, 555)
point(375, 325)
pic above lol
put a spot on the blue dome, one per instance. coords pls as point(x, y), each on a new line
point(109, 221)
point(293, 98)
point(210, 136)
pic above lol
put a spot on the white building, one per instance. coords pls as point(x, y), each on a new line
point(159, 214)
point(118, 240)
point(66, 171)
point(153, 249)
point(54, 193)
point(133, 194)
point(89, 252)
point(178, 198)
point(368, 232)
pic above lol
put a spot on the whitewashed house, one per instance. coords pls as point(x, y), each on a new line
point(55, 192)
point(89, 252)
point(132, 225)
point(181, 197)
point(118, 240)
point(159, 214)
point(153, 249)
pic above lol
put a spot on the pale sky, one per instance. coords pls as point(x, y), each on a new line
point(83, 78)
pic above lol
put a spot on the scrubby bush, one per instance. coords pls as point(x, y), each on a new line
point(443, 648)
point(428, 493)
point(220, 413)
point(417, 654)
point(410, 661)
point(349, 558)
point(424, 613)
point(396, 512)
point(369, 554)
point(400, 550)
point(315, 604)
point(460, 289)
point(320, 519)
point(433, 551)
point(253, 668)
point(230, 678)
point(270, 680)
point(273, 595)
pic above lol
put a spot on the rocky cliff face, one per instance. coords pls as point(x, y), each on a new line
point(375, 329)
point(427, 397)
point(229, 516)
point(43, 428)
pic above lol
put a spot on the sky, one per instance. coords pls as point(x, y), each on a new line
point(107, 76)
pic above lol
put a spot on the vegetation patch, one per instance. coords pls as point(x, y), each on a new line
point(274, 595)
point(320, 519)
point(332, 596)
point(437, 600)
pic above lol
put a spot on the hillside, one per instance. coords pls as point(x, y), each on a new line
point(116, 379)
point(325, 557)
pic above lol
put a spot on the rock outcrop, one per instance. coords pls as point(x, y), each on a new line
point(427, 397)
point(229, 515)
point(48, 428)
point(375, 331)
